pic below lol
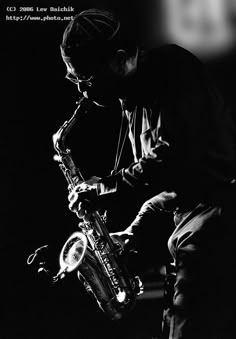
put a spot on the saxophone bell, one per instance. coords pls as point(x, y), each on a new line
point(71, 255)
point(73, 252)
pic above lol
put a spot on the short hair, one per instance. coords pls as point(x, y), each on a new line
point(94, 33)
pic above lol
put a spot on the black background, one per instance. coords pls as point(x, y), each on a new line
point(36, 99)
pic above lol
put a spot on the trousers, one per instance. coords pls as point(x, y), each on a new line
point(201, 242)
point(203, 249)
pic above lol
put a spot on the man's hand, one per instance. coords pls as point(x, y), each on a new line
point(82, 198)
point(123, 238)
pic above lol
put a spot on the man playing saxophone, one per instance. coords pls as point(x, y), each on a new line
point(184, 162)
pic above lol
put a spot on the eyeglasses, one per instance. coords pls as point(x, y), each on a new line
point(81, 79)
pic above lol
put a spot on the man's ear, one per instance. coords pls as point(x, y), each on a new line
point(118, 63)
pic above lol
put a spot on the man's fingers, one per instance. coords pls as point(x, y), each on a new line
point(122, 237)
point(81, 209)
point(73, 200)
point(81, 202)
point(93, 180)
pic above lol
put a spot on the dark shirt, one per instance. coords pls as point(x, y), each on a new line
point(181, 133)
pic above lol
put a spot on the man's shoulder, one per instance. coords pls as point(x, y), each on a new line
point(172, 54)
point(174, 66)
point(170, 70)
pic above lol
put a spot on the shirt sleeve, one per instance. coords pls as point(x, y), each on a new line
point(138, 175)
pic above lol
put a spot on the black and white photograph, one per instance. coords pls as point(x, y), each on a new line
point(118, 159)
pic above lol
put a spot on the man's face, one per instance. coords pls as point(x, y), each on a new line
point(98, 83)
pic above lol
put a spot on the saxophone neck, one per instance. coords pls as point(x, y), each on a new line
point(59, 137)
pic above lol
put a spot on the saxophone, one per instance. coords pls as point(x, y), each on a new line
point(90, 251)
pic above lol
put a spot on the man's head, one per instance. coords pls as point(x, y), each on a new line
point(98, 55)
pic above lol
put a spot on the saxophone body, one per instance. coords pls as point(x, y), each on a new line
point(97, 260)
